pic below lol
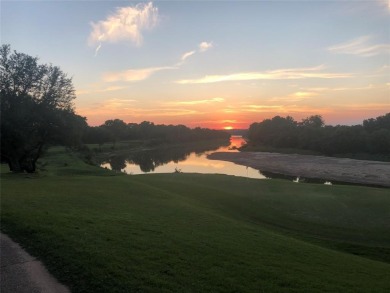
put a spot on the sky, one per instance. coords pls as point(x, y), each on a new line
point(215, 64)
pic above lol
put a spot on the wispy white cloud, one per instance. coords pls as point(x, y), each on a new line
point(204, 46)
point(97, 49)
point(360, 47)
point(133, 74)
point(126, 24)
point(144, 73)
point(297, 73)
point(186, 55)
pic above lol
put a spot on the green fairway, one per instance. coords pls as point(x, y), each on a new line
point(99, 231)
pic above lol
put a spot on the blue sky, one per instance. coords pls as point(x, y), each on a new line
point(212, 63)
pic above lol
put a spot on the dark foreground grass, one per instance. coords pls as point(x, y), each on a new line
point(103, 232)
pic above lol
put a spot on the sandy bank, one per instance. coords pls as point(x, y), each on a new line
point(328, 168)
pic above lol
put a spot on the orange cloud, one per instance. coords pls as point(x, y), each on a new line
point(198, 102)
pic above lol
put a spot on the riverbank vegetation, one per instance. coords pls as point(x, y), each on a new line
point(101, 231)
point(370, 140)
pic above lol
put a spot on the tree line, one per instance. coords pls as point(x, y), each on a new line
point(371, 137)
point(37, 110)
point(117, 130)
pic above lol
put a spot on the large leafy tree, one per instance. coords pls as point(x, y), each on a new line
point(36, 108)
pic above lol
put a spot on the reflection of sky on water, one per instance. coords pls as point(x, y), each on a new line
point(198, 163)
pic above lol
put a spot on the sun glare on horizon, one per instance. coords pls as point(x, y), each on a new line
point(228, 127)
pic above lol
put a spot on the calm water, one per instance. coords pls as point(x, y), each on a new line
point(187, 161)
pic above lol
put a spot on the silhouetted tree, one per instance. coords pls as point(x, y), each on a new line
point(97, 135)
point(314, 121)
point(277, 132)
point(116, 129)
point(312, 134)
point(380, 122)
point(36, 109)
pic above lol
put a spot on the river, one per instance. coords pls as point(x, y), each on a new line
point(176, 160)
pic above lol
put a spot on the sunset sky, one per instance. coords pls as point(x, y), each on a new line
point(212, 64)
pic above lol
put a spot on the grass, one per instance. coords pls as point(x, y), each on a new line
point(99, 231)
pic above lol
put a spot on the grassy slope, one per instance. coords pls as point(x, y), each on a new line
point(100, 232)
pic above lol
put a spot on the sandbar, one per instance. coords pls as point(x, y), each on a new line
point(309, 166)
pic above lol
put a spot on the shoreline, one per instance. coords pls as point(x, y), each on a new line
point(310, 166)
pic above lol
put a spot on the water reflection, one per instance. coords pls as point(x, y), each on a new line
point(192, 160)
point(187, 160)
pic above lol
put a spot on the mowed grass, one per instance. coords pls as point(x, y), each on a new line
point(98, 231)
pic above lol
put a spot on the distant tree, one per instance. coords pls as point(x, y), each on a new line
point(36, 109)
point(145, 129)
point(313, 121)
point(116, 128)
point(380, 122)
point(378, 138)
point(379, 141)
point(97, 135)
point(277, 132)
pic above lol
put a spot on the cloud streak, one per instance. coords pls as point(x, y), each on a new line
point(128, 109)
point(336, 89)
point(99, 90)
point(133, 75)
point(360, 47)
point(295, 97)
point(298, 73)
point(126, 24)
point(186, 55)
point(198, 102)
point(202, 47)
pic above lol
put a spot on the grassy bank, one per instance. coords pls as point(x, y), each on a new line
point(99, 231)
